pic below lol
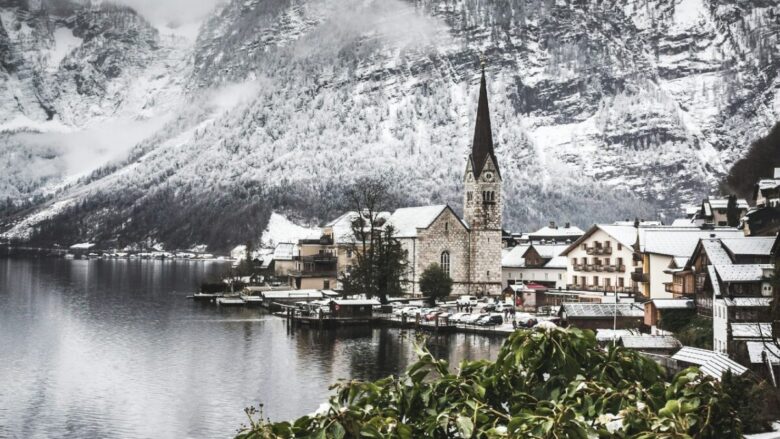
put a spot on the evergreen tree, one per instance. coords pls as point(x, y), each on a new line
point(435, 283)
point(732, 211)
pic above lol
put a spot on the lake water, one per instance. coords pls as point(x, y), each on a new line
point(113, 349)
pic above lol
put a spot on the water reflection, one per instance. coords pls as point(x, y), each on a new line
point(112, 349)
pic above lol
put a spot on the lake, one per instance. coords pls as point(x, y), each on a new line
point(113, 349)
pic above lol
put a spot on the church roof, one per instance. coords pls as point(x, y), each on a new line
point(407, 220)
point(482, 147)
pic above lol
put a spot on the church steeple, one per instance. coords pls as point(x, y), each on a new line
point(482, 147)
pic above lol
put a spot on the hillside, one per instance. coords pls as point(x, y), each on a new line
point(601, 110)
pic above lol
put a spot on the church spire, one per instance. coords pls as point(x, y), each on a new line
point(482, 148)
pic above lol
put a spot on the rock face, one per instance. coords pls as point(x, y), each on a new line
point(602, 109)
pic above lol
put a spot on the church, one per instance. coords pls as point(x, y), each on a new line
point(468, 248)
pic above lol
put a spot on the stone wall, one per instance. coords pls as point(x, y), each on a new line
point(446, 233)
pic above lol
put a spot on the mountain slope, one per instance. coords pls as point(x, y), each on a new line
point(602, 110)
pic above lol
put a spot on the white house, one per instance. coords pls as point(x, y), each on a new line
point(541, 264)
point(602, 259)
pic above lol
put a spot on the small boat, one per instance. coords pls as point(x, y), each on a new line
point(231, 301)
point(252, 300)
point(205, 297)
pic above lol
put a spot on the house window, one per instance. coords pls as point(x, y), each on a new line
point(560, 276)
point(326, 284)
point(469, 196)
point(595, 281)
point(620, 246)
point(621, 282)
point(445, 262)
point(619, 262)
point(607, 283)
point(349, 253)
point(446, 227)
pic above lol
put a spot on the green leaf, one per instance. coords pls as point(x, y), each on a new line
point(465, 426)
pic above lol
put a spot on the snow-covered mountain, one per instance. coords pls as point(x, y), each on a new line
point(602, 109)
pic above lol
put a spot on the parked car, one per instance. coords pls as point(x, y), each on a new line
point(490, 320)
point(458, 317)
point(501, 307)
point(490, 307)
point(410, 311)
point(469, 319)
point(466, 300)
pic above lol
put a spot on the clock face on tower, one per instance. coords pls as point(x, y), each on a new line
point(488, 176)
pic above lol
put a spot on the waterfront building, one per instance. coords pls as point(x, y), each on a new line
point(538, 263)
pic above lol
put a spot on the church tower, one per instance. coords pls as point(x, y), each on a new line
point(483, 204)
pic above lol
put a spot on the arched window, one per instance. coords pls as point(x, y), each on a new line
point(445, 262)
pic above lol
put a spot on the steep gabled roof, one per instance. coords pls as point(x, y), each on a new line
point(407, 220)
point(624, 234)
point(482, 146)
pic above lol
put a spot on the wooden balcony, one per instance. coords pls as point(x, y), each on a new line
point(639, 276)
point(598, 250)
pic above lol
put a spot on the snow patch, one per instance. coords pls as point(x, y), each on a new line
point(64, 43)
point(280, 229)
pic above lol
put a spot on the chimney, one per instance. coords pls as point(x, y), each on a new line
point(777, 172)
point(568, 225)
point(552, 224)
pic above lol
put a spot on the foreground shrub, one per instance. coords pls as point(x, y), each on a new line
point(545, 383)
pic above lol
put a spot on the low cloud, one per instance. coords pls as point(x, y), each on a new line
point(173, 12)
point(80, 152)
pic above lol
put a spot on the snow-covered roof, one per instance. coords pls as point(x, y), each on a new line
point(684, 222)
point(408, 219)
point(611, 334)
point(557, 262)
point(680, 261)
point(549, 251)
point(750, 245)
point(342, 226)
point(292, 294)
point(599, 310)
point(772, 349)
point(514, 257)
point(572, 231)
point(769, 183)
point(748, 302)
point(710, 363)
point(715, 252)
point(650, 342)
point(673, 303)
point(751, 330)
point(714, 280)
point(722, 203)
point(285, 251)
point(679, 241)
point(356, 302)
point(624, 234)
point(740, 272)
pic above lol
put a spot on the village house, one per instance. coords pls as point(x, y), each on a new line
point(764, 218)
point(537, 263)
point(603, 259)
point(554, 234)
point(714, 211)
point(315, 265)
point(284, 259)
point(732, 286)
point(664, 247)
point(656, 310)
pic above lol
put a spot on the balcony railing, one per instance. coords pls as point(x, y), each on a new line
point(313, 273)
point(319, 258)
point(639, 276)
point(598, 250)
